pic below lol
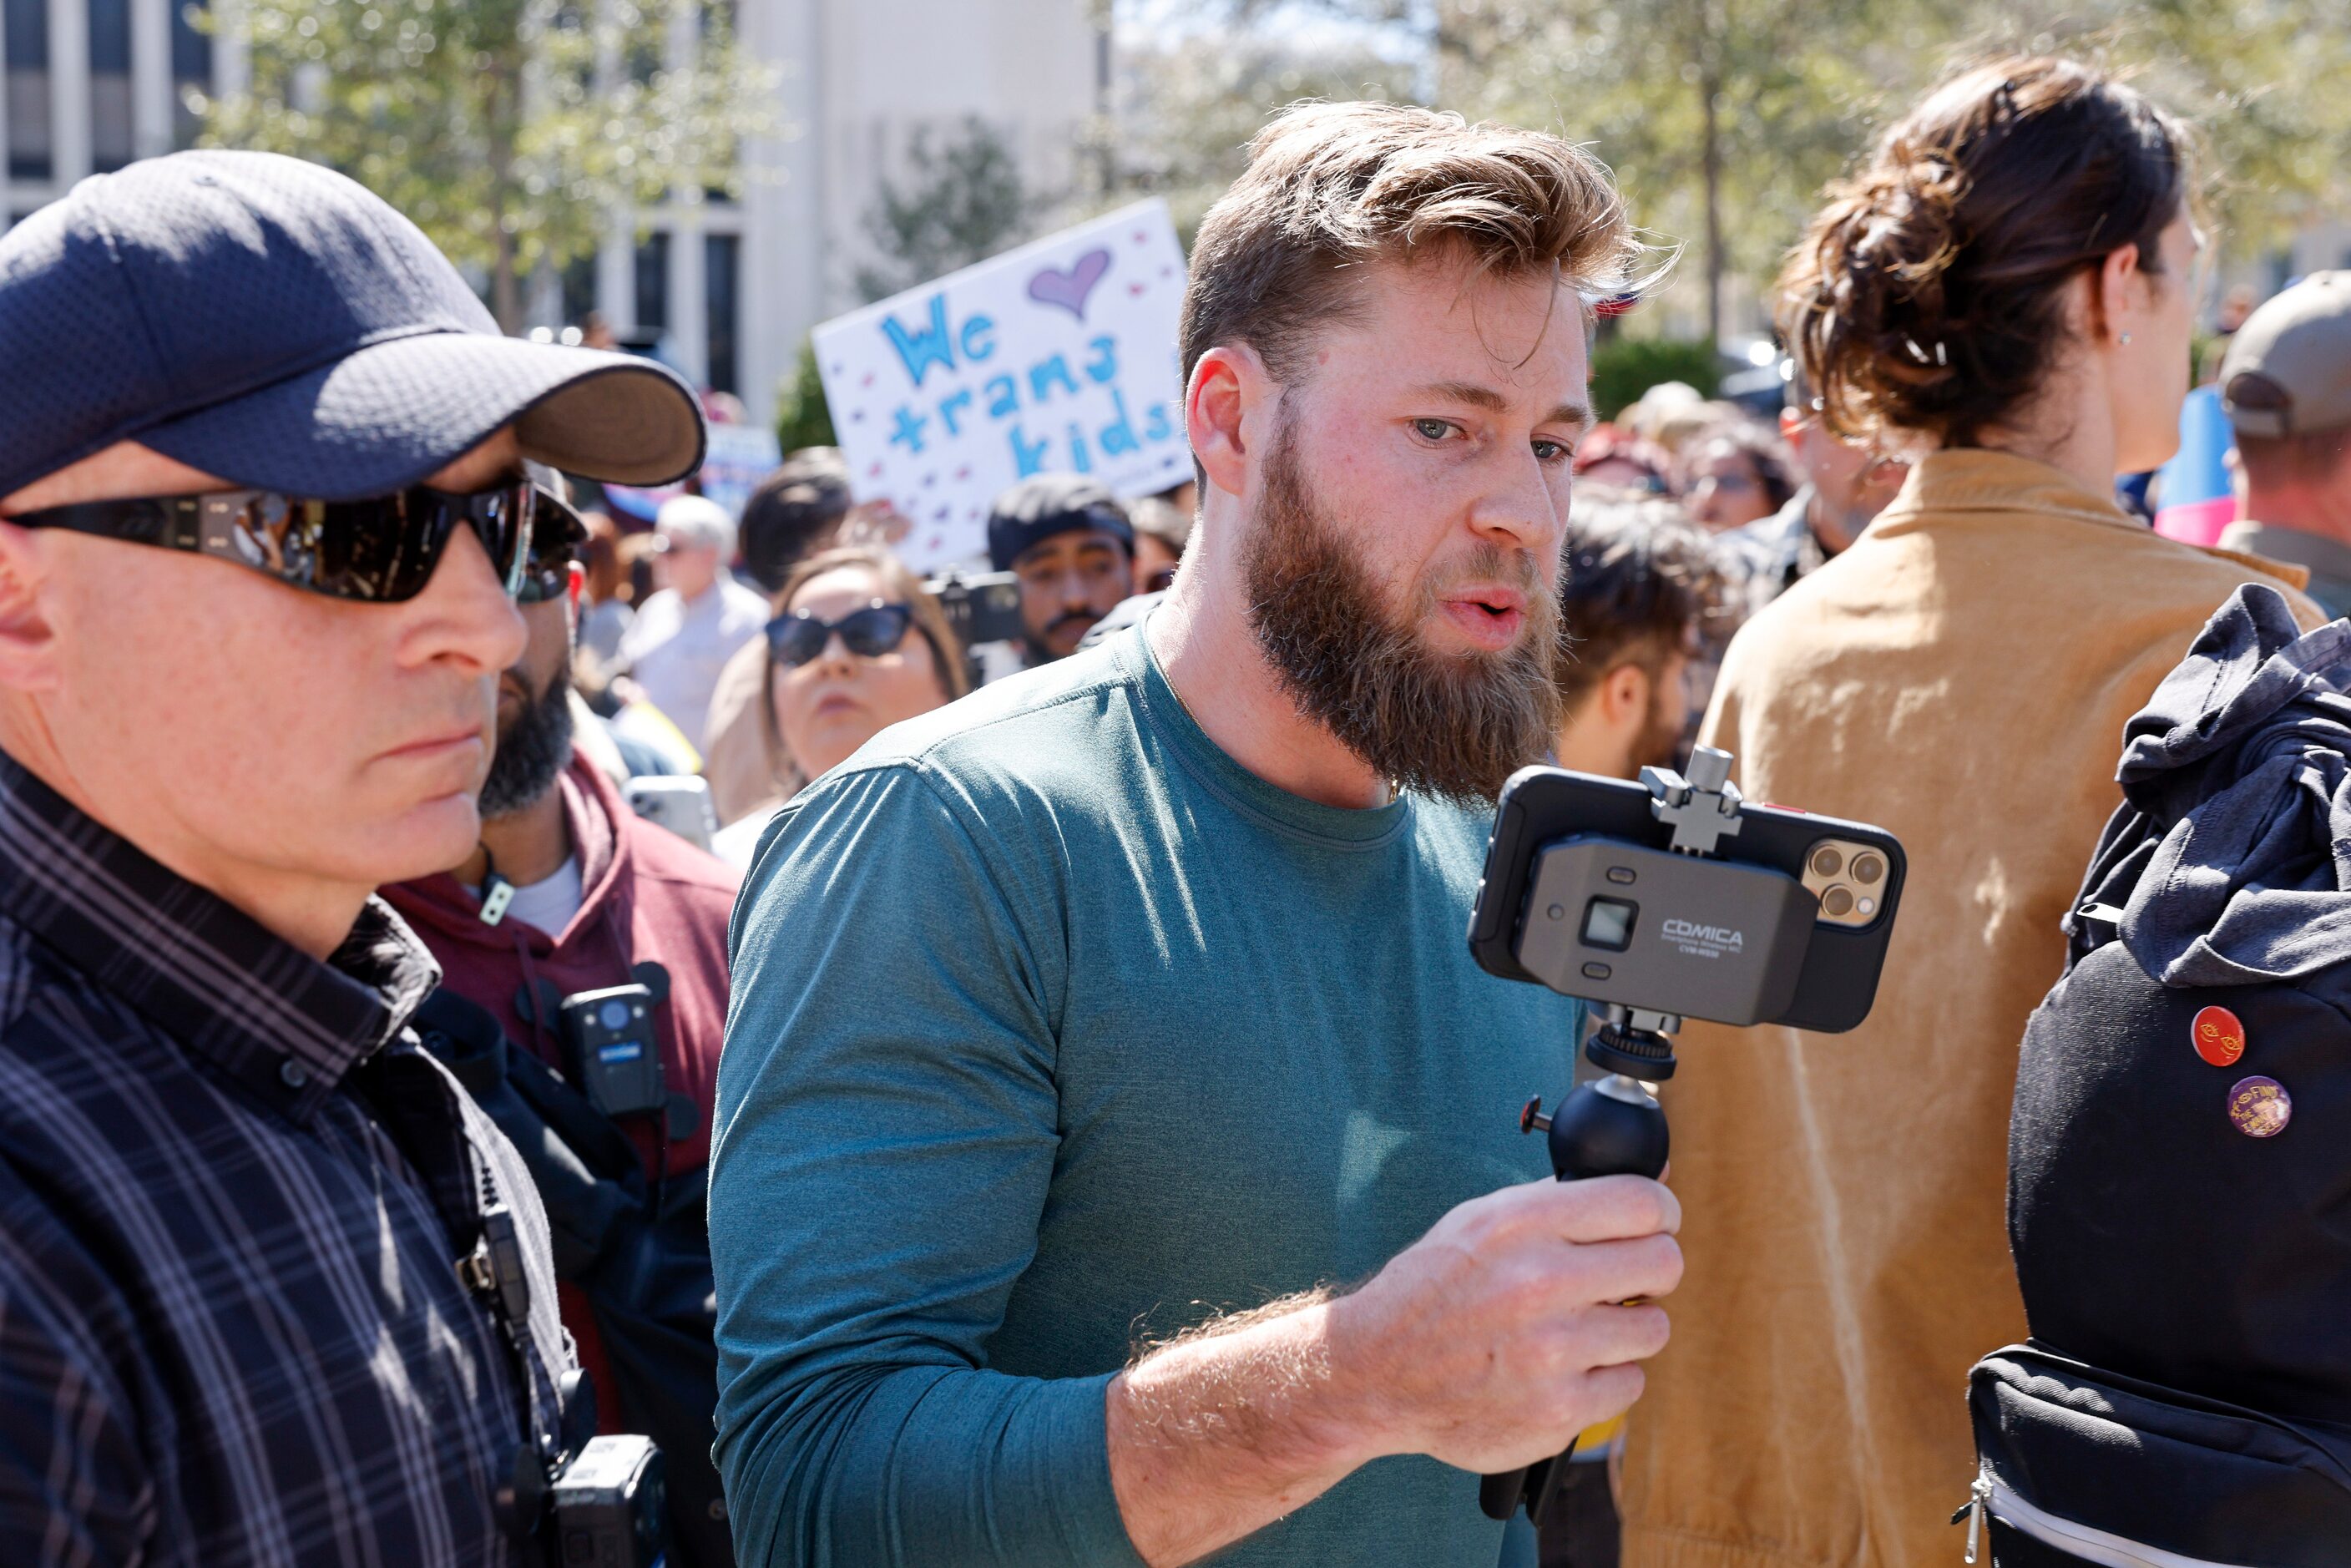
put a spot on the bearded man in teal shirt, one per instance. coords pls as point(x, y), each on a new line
point(1115, 1158)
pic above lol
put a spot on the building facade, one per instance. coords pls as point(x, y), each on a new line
point(729, 289)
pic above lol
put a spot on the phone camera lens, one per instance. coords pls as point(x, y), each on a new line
point(1827, 863)
point(1836, 900)
point(1867, 869)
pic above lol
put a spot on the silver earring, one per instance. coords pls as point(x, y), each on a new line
point(2125, 337)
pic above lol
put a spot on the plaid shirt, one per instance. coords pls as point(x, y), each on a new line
point(232, 1196)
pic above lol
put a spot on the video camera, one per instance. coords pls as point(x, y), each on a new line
point(983, 607)
point(1654, 902)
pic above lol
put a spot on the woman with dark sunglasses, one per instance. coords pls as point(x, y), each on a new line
point(856, 646)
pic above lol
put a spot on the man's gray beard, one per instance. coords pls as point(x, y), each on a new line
point(532, 751)
point(1455, 726)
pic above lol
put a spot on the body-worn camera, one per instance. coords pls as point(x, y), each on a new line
point(605, 1508)
point(983, 607)
point(1667, 899)
point(584, 1498)
point(615, 1054)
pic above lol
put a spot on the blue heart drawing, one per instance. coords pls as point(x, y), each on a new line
point(1069, 289)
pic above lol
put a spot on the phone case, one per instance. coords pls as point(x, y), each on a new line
point(1839, 978)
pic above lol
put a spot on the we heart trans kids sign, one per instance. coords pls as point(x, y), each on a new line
point(1057, 357)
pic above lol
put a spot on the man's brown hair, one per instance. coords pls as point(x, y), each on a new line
point(1331, 186)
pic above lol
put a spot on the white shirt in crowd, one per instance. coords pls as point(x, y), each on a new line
point(675, 648)
point(549, 903)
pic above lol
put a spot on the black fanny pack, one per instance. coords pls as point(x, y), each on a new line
point(2080, 1464)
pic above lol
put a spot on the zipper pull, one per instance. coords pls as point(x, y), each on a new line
point(1979, 1499)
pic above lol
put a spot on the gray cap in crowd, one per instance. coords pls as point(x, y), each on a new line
point(2288, 369)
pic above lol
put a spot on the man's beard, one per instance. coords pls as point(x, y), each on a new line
point(531, 751)
point(1659, 744)
point(1455, 726)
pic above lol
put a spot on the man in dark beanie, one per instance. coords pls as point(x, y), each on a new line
point(1069, 542)
point(274, 1289)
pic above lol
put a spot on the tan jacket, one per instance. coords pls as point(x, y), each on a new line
point(746, 764)
point(1959, 676)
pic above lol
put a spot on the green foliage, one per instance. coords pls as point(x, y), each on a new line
point(1625, 368)
point(959, 203)
point(508, 129)
point(1747, 108)
point(1185, 113)
point(802, 416)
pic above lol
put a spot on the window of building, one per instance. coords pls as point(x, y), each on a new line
point(192, 69)
point(579, 277)
point(652, 281)
point(25, 38)
point(110, 84)
point(720, 272)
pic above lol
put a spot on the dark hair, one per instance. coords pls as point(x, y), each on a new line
point(899, 586)
point(1641, 582)
point(1331, 186)
point(793, 511)
point(1762, 448)
point(1926, 297)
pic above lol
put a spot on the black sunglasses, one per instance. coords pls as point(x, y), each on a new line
point(793, 639)
point(380, 550)
point(555, 537)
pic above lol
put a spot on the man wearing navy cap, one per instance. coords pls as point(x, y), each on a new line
point(272, 1289)
point(1071, 544)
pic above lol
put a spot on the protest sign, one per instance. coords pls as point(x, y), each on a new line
point(738, 457)
point(1057, 357)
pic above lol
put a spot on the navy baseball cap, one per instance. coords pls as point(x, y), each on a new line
point(1037, 508)
point(272, 322)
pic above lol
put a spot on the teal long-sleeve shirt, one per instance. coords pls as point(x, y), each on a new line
point(1055, 1030)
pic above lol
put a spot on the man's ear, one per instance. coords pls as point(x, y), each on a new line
point(1228, 385)
point(1625, 697)
point(28, 657)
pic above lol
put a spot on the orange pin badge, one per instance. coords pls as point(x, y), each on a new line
point(2219, 1037)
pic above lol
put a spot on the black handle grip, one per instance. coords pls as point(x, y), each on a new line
point(1594, 1132)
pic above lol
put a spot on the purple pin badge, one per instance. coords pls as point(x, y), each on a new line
point(2260, 1106)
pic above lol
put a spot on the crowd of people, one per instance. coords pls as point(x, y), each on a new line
point(1014, 1092)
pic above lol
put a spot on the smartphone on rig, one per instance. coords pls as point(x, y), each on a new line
point(1786, 920)
point(1669, 899)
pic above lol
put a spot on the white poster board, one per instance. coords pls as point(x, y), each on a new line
point(1058, 356)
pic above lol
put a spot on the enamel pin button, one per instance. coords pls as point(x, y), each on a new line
point(2219, 1037)
point(2260, 1106)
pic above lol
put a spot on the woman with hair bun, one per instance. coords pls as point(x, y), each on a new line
point(2003, 297)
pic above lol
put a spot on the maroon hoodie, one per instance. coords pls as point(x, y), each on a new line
point(648, 895)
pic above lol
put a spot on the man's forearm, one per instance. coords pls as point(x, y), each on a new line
point(1487, 1344)
point(1220, 1433)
